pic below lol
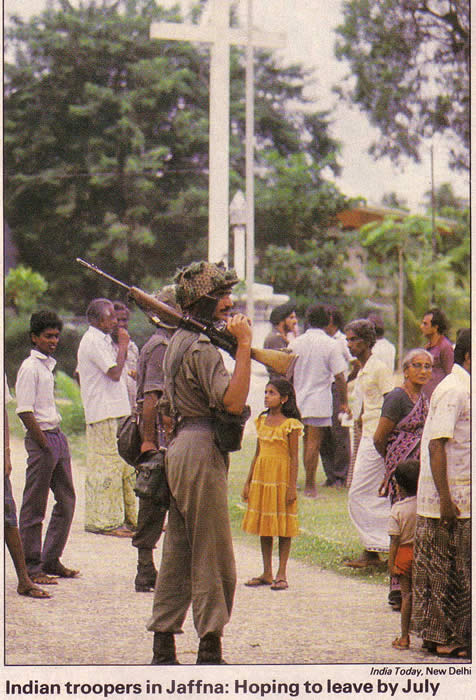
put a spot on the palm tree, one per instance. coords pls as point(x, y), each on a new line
point(405, 247)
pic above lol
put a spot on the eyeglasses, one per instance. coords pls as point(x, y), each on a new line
point(419, 365)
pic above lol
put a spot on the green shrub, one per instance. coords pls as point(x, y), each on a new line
point(23, 288)
point(68, 400)
point(17, 344)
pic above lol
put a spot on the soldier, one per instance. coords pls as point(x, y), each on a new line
point(154, 428)
point(198, 565)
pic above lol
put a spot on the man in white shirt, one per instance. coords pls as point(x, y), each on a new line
point(49, 462)
point(383, 348)
point(369, 512)
point(442, 559)
point(335, 445)
point(110, 503)
point(319, 363)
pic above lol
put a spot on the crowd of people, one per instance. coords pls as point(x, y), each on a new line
point(408, 470)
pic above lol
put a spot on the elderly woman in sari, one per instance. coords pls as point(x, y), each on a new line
point(400, 428)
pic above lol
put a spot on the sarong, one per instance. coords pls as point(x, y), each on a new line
point(369, 512)
point(110, 500)
point(441, 611)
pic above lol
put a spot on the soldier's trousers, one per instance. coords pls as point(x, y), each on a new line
point(198, 565)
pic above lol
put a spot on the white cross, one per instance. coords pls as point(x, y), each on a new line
point(220, 36)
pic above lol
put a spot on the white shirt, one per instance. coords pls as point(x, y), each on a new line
point(102, 397)
point(35, 389)
point(448, 417)
point(402, 519)
point(319, 360)
point(373, 381)
point(341, 340)
point(385, 352)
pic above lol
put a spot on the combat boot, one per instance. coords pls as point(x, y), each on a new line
point(164, 649)
point(145, 577)
point(209, 650)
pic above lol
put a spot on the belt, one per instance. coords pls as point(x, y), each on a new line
point(195, 422)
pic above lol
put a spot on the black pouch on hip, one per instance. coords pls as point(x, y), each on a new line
point(229, 429)
point(151, 480)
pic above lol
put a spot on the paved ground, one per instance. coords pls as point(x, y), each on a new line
point(323, 618)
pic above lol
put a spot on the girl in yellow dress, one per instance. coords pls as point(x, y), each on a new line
point(270, 488)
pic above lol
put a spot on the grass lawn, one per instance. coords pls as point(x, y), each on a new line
point(327, 534)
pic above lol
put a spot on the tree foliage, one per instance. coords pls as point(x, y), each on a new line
point(409, 62)
point(431, 277)
point(317, 271)
point(23, 288)
point(106, 145)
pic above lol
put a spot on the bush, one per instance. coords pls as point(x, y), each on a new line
point(16, 344)
point(23, 288)
point(68, 399)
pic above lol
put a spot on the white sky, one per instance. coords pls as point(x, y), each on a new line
point(309, 25)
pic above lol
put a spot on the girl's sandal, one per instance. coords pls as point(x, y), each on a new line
point(279, 585)
point(257, 581)
point(399, 644)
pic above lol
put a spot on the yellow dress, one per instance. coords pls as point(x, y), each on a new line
point(268, 514)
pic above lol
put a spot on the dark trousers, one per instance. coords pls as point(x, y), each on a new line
point(46, 469)
point(150, 523)
point(335, 445)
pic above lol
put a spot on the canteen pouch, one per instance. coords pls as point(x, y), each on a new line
point(229, 429)
point(128, 439)
point(151, 480)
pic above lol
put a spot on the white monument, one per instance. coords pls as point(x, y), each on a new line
point(220, 36)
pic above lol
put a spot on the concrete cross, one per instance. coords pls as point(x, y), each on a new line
point(220, 36)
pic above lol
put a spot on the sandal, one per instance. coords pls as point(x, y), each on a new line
point(58, 569)
point(43, 580)
point(279, 585)
point(34, 592)
point(446, 652)
point(399, 644)
point(257, 581)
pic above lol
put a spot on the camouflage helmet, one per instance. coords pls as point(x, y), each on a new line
point(201, 279)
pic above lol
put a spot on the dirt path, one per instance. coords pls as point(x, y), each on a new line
point(99, 619)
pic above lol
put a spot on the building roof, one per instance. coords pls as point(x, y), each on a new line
point(355, 218)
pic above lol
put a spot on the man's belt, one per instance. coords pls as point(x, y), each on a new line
point(195, 421)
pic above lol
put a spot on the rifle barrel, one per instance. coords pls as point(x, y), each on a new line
point(95, 269)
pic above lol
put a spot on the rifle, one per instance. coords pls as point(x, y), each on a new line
point(277, 360)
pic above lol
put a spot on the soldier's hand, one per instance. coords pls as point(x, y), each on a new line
point(147, 446)
point(240, 326)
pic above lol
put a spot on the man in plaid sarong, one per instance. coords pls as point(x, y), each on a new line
point(442, 560)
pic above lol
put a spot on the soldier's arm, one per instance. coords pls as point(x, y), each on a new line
point(234, 399)
point(149, 421)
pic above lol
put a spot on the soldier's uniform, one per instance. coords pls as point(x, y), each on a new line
point(198, 565)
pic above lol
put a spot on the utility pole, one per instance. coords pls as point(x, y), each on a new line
point(250, 185)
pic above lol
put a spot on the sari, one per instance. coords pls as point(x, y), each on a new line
point(404, 442)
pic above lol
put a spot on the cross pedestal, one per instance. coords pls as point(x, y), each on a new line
point(220, 36)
